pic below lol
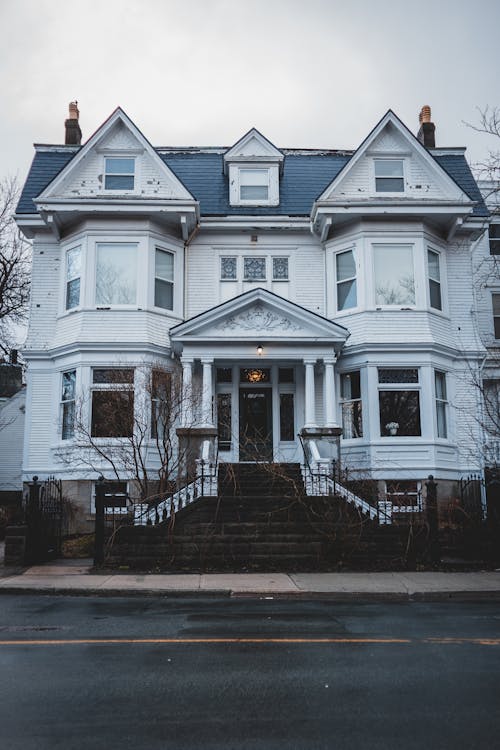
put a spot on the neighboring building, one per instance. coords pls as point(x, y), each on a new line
point(12, 409)
point(300, 291)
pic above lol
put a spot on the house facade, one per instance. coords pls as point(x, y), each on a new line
point(309, 299)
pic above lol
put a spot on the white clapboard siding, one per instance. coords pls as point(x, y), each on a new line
point(44, 415)
point(11, 441)
point(44, 295)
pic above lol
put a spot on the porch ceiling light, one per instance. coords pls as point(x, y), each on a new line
point(260, 349)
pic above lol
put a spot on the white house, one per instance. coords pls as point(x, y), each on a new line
point(301, 291)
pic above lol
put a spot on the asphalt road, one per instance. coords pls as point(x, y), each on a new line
point(148, 673)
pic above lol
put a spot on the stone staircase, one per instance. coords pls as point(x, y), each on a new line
point(261, 519)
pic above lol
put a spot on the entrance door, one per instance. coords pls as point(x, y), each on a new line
point(256, 424)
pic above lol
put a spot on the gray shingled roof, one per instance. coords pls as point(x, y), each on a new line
point(305, 177)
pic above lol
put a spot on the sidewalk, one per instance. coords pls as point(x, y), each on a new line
point(74, 577)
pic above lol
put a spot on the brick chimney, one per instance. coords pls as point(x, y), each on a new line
point(73, 132)
point(426, 134)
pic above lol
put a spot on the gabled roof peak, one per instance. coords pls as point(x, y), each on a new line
point(253, 147)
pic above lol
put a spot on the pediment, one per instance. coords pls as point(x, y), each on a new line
point(425, 179)
point(83, 176)
point(253, 147)
point(259, 314)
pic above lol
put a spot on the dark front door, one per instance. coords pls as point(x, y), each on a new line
point(256, 424)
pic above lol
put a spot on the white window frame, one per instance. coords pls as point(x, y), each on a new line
point(105, 174)
point(160, 278)
point(68, 280)
point(138, 277)
point(354, 250)
point(494, 242)
point(389, 193)
point(119, 386)
point(494, 318)
point(346, 401)
point(430, 249)
point(280, 257)
point(235, 172)
point(64, 402)
point(266, 270)
point(406, 387)
point(415, 249)
point(441, 403)
point(224, 257)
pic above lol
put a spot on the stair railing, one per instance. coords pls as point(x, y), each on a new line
point(205, 484)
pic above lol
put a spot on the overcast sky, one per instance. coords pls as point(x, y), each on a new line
point(307, 73)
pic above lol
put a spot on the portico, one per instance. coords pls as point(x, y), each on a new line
point(265, 370)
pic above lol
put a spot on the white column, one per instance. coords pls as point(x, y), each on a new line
point(187, 392)
point(330, 408)
point(310, 420)
point(206, 401)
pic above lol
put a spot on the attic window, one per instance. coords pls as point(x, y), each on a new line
point(119, 174)
point(254, 185)
point(389, 176)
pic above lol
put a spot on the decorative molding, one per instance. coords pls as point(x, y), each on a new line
point(258, 319)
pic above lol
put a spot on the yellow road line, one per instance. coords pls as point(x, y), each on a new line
point(306, 641)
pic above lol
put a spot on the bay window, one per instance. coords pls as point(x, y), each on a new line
point(116, 274)
point(394, 275)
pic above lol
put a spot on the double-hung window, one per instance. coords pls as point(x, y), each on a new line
point(389, 176)
point(494, 238)
point(112, 402)
point(394, 275)
point(495, 300)
point(441, 403)
point(399, 401)
point(73, 272)
point(254, 185)
point(164, 279)
point(68, 404)
point(434, 279)
point(345, 267)
point(116, 273)
point(119, 173)
point(350, 395)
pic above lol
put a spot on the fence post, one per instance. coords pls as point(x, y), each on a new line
point(33, 541)
point(99, 522)
point(432, 520)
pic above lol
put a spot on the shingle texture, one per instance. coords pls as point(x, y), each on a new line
point(305, 177)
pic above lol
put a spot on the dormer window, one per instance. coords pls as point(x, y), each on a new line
point(389, 176)
point(254, 185)
point(119, 173)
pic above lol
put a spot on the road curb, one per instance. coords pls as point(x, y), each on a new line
point(333, 596)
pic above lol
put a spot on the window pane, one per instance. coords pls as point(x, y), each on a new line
point(287, 431)
point(346, 295)
point(113, 375)
point(73, 263)
point(116, 274)
point(164, 265)
point(68, 420)
point(254, 176)
point(120, 166)
point(228, 268)
point(346, 266)
point(72, 294)
point(389, 185)
point(394, 279)
point(224, 374)
point(350, 385)
point(280, 269)
point(112, 413)
point(494, 234)
point(393, 375)
point(164, 294)
point(254, 192)
point(440, 380)
point(254, 269)
point(496, 304)
point(401, 408)
point(435, 294)
point(433, 263)
point(441, 419)
point(352, 421)
point(388, 168)
point(68, 385)
point(119, 182)
point(224, 421)
point(285, 374)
